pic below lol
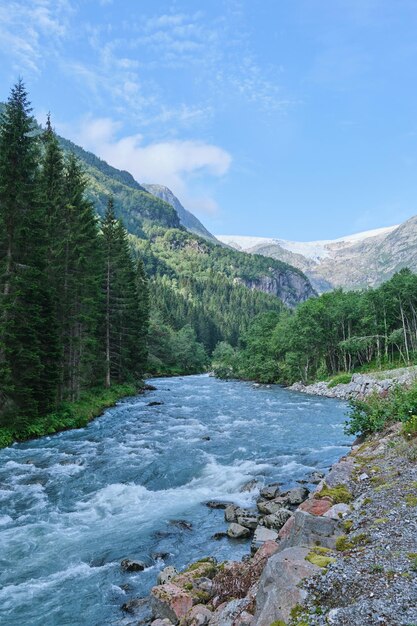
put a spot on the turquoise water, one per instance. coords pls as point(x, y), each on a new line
point(75, 504)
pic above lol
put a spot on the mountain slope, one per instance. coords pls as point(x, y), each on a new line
point(187, 219)
point(353, 262)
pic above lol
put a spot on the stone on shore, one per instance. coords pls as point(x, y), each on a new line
point(170, 602)
point(248, 521)
point(166, 575)
point(278, 590)
point(276, 520)
point(237, 531)
point(316, 506)
point(199, 615)
point(230, 513)
point(337, 511)
point(132, 566)
point(261, 536)
point(310, 530)
point(270, 491)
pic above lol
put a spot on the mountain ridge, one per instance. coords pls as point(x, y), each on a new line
point(361, 260)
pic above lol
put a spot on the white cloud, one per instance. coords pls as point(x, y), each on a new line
point(29, 28)
point(175, 164)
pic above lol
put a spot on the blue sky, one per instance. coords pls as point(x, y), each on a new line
point(286, 118)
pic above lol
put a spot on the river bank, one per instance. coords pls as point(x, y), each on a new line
point(71, 415)
point(361, 385)
point(346, 556)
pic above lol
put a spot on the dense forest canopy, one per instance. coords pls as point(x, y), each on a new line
point(336, 332)
point(65, 278)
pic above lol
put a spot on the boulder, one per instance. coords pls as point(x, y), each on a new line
point(236, 531)
point(199, 615)
point(276, 520)
point(266, 550)
point(337, 511)
point(166, 575)
point(170, 602)
point(341, 472)
point(309, 530)
point(219, 535)
point(215, 504)
point(315, 477)
point(296, 496)
point(267, 507)
point(230, 513)
point(161, 622)
point(269, 492)
point(133, 605)
point(228, 612)
point(278, 590)
point(155, 403)
point(248, 521)
point(316, 506)
point(261, 536)
point(132, 566)
point(250, 486)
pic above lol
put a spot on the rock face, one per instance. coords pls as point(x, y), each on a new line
point(359, 261)
point(186, 218)
point(278, 590)
point(287, 284)
point(361, 385)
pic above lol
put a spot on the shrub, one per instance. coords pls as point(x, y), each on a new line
point(340, 379)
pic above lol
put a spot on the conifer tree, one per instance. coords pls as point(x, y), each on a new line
point(25, 310)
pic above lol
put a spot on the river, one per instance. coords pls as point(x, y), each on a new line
point(75, 504)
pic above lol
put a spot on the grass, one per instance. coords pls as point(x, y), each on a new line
point(68, 415)
point(338, 494)
point(340, 379)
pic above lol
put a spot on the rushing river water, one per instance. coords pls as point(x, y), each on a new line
point(75, 504)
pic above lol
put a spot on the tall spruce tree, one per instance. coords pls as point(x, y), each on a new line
point(126, 304)
point(25, 308)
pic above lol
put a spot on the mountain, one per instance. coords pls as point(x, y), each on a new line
point(187, 219)
point(357, 261)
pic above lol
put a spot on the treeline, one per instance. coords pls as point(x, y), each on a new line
point(73, 303)
point(196, 285)
point(338, 332)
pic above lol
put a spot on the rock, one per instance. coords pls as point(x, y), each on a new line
point(266, 550)
point(155, 403)
point(363, 476)
point(215, 504)
point(315, 477)
point(148, 387)
point(132, 605)
point(236, 531)
point(161, 622)
point(227, 613)
point(267, 507)
point(270, 491)
point(170, 602)
point(340, 472)
point(276, 520)
point(310, 530)
point(132, 566)
point(156, 556)
point(337, 511)
point(230, 513)
point(166, 575)
point(278, 590)
point(181, 523)
point(250, 485)
point(205, 438)
point(296, 496)
point(199, 615)
point(218, 536)
point(261, 536)
point(248, 521)
point(316, 506)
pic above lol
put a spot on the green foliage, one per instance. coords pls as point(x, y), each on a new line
point(331, 336)
point(52, 267)
point(339, 494)
point(340, 379)
point(376, 411)
point(67, 415)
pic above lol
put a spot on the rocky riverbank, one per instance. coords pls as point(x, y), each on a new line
point(360, 385)
point(347, 555)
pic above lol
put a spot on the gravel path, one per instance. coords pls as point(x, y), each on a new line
point(373, 581)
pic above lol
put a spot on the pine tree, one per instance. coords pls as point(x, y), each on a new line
point(126, 304)
point(25, 308)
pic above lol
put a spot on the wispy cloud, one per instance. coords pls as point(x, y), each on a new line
point(30, 27)
point(176, 164)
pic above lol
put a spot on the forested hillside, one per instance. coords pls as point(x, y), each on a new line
point(335, 333)
point(73, 304)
